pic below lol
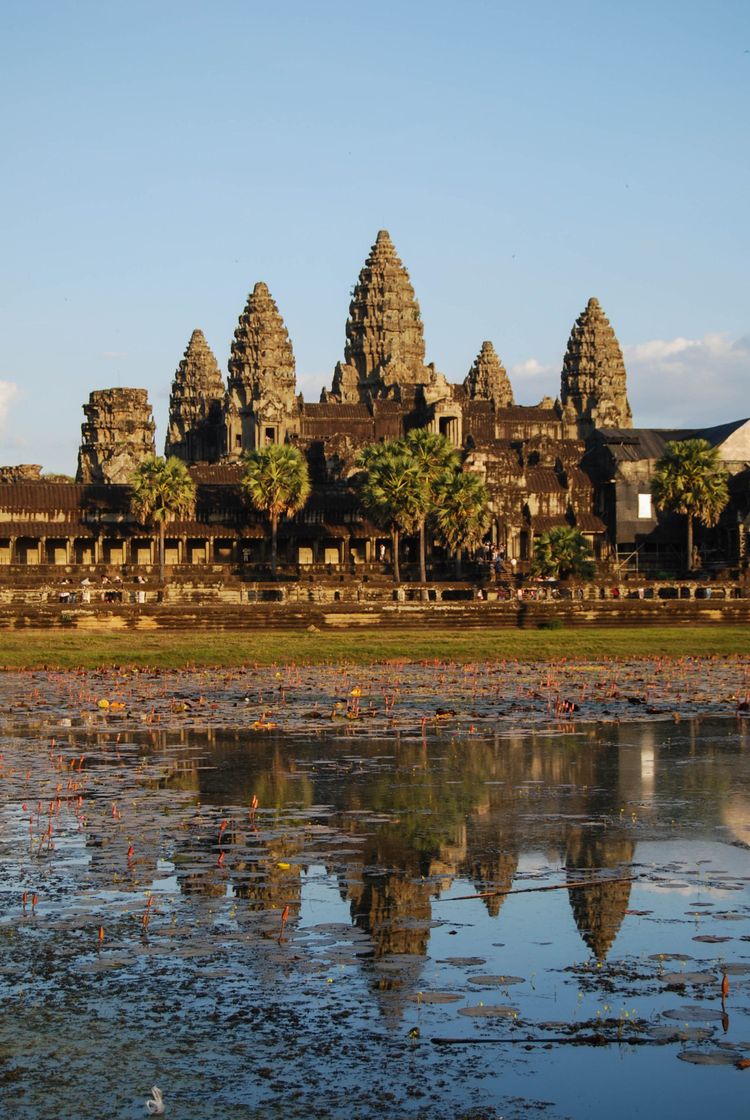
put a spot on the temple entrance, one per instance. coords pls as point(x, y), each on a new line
point(449, 427)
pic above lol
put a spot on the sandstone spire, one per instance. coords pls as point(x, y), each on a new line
point(196, 426)
point(117, 435)
point(487, 379)
point(262, 356)
point(599, 910)
point(385, 342)
point(261, 387)
point(593, 376)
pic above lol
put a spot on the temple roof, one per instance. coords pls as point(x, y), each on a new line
point(634, 444)
point(487, 378)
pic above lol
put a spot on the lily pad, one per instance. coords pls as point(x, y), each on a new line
point(682, 1034)
point(495, 981)
point(670, 957)
point(680, 979)
point(709, 1057)
point(463, 961)
point(434, 997)
point(691, 1013)
point(489, 1011)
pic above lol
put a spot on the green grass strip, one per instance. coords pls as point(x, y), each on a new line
point(70, 649)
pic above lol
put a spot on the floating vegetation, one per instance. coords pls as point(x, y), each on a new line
point(256, 915)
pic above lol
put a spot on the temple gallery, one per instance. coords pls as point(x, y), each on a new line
point(572, 460)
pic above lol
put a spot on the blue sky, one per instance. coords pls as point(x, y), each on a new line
point(160, 158)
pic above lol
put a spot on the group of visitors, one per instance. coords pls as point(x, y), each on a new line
point(104, 589)
point(494, 558)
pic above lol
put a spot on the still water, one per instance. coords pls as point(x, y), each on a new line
point(328, 925)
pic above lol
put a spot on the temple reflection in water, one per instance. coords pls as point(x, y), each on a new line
point(417, 817)
point(421, 815)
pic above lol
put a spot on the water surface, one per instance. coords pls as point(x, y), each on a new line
point(348, 946)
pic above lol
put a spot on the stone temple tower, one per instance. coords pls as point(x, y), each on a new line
point(385, 341)
point(487, 379)
point(196, 421)
point(261, 406)
point(593, 384)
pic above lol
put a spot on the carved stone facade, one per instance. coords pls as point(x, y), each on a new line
point(487, 379)
point(196, 406)
point(117, 435)
point(529, 455)
point(385, 349)
point(261, 405)
point(593, 386)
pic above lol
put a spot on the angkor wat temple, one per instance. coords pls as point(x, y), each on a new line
point(561, 461)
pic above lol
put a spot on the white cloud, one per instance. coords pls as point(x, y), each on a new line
point(530, 368)
point(681, 382)
point(532, 380)
point(8, 391)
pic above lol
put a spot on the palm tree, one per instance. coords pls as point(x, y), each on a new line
point(563, 552)
point(433, 456)
point(276, 482)
point(690, 479)
point(162, 488)
point(391, 489)
point(461, 513)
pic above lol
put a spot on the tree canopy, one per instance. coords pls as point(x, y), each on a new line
point(562, 553)
point(434, 458)
point(689, 479)
point(276, 482)
point(161, 490)
point(392, 491)
point(461, 512)
point(407, 483)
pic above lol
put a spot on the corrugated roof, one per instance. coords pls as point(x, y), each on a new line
point(336, 412)
point(633, 444)
point(61, 496)
point(386, 408)
point(542, 523)
point(220, 474)
point(527, 412)
point(590, 523)
point(578, 479)
point(51, 529)
point(542, 480)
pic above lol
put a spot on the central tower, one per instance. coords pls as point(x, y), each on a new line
point(384, 335)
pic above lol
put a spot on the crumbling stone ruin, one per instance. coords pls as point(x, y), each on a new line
point(117, 436)
point(23, 472)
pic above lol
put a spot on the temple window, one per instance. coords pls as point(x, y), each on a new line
point(644, 506)
point(238, 440)
point(270, 435)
